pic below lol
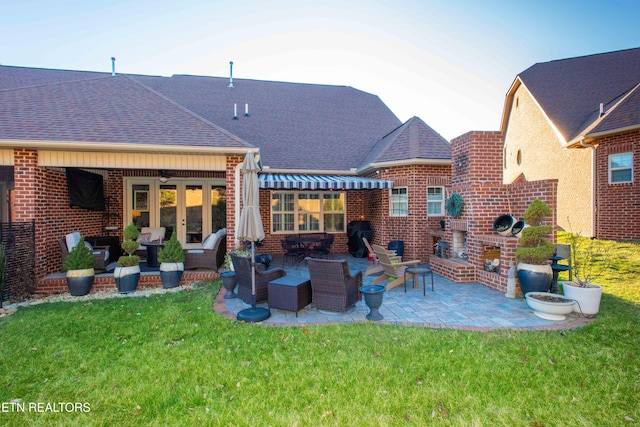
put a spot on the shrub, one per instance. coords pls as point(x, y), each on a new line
point(129, 245)
point(534, 248)
point(80, 257)
point(172, 251)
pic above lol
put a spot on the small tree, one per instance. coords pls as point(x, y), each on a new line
point(129, 245)
point(172, 251)
point(80, 257)
point(534, 248)
point(585, 255)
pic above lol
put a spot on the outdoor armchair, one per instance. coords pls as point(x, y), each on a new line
point(242, 267)
point(333, 288)
point(392, 270)
point(100, 253)
point(210, 254)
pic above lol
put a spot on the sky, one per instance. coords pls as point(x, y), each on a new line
point(449, 62)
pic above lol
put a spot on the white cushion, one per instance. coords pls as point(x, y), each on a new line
point(72, 240)
point(157, 233)
point(210, 241)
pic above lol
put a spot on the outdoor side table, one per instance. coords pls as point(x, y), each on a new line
point(289, 293)
point(152, 252)
point(416, 272)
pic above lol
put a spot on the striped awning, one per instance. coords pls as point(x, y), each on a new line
point(321, 182)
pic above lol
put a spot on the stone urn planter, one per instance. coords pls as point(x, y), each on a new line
point(373, 299)
point(229, 282)
point(549, 306)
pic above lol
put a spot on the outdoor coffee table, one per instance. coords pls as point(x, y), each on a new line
point(289, 293)
point(415, 272)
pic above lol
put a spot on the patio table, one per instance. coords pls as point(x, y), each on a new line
point(152, 252)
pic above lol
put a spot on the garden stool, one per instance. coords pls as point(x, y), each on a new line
point(418, 271)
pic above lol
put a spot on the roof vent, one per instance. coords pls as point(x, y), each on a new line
point(246, 110)
point(113, 66)
point(601, 109)
point(230, 73)
point(235, 111)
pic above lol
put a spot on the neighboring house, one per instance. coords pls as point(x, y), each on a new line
point(577, 120)
point(168, 149)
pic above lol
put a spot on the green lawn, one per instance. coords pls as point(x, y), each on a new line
point(170, 360)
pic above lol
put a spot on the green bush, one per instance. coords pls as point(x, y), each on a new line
point(172, 251)
point(80, 257)
point(534, 248)
point(129, 245)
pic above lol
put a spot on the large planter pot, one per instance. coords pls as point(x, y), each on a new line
point(171, 273)
point(127, 278)
point(80, 282)
point(516, 229)
point(550, 307)
point(373, 299)
point(229, 282)
point(503, 224)
point(534, 278)
point(587, 298)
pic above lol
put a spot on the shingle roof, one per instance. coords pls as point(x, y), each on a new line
point(104, 109)
point(570, 90)
point(413, 140)
point(624, 115)
point(296, 126)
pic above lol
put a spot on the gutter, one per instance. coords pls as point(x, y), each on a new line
point(121, 147)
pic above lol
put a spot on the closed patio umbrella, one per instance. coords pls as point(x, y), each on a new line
point(250, 229)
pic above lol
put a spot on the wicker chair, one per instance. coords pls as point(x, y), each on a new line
point(376, 267)
point(206, 258)
point(391, 270)
point(100, 253)
point(333, 287)
point(242, 267)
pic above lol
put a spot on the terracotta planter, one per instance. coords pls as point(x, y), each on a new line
point(587, 298)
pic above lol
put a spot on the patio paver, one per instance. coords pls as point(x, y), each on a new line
point(469, 306)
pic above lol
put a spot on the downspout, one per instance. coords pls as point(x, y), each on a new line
point(236, 204)
point(594, 205)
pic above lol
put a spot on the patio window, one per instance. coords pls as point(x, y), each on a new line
point(399, 201)
point(298, 212)
point(435, 201)
point(621, 168)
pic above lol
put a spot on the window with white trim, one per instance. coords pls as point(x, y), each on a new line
point(399, 201)
point(620, 168)
point(435, 201)
point(304, 212)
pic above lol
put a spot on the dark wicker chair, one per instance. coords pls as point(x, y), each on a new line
point(206, 258)
point(332, 286)
point(323, 250)
point(242, 267)
point(100, 255)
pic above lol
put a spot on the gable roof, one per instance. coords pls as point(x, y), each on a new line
point(570, 91)
point(413, 142)
point(622, 117)
point(114, 110)
point(298, 127)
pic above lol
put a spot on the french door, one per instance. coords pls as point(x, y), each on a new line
point(191, 208)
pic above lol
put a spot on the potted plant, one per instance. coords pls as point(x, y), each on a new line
point(534, 271)
point(171, 258)
point(79, 266)
point(127, 273)
point(585, 254)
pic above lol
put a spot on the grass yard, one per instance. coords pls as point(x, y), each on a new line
point(169, 360)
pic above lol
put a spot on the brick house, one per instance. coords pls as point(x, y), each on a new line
point(168, 148)
point(576, 121)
